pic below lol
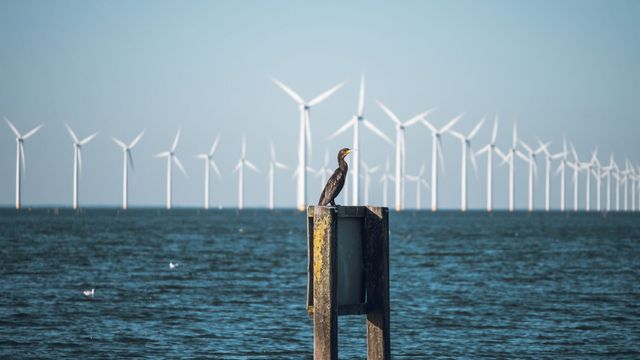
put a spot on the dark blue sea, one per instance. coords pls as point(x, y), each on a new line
point(463, 285)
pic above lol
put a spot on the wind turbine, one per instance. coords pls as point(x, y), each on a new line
point(588, 167)
point(324, 172)
point(576, 166)
point(126, 162)
point(355, 122)
point(273, 164)
point(510, 158)
point(548, 158)
point(240, 169)
point(20, 159)
point(208, 162)
point(384, 179)
point(436, 152)
point(490, 149)
point(533, 169)
point(616, 174)
point(606, 172)
point(304, 135)
point(171, 155)
point(400, 150)
point(625, 180)
point(465, 141)
point(596, 171)
point(561, 170)
point(367, 179)
point(77, 161)
point(420, 182)
point(632, 178)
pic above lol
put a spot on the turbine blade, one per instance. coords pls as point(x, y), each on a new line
point(130, 159)
point(429, 126)
point(238, 166)
point(308, 132)
point(119, 143)
point(515, 135)
point(472, 155)
point(425, 184)
point(244, 146)
point(22, 158)
point(494, 134)
point(273, 151)
point(13, 128)
point(361, 97)
point(458, 135)
point(73, 134)
point(88, 139)
point(439, 150)
point(202, 156)
point(483, 150)
point(342, 129)
point(214, 146)
point(500, 153)
point(33, 131)
point(251, 166)
point(575, 154)
point(320, 98)
point(177, 161)
point(522, 156)
point(377, 131)
point(215, 168)
point(135, 141)
point(389, 113)
point(524, 145)
point(289, 92)
point(450, 124)
point(476, 129)
point(162, 154)
point(175, 141)
point(281, 166)
point(418, 117)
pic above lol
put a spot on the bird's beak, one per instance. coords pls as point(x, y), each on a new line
point(348, 152)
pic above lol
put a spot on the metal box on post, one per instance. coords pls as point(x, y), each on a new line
point(348, 274)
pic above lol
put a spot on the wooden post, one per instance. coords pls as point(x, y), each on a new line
point(377, 279)
point(325, 309)
point(324, 281)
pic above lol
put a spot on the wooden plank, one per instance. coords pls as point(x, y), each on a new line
point(377, 279)
point(310, 260)
point(325, 310)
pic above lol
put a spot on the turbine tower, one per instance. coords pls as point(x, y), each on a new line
point(436, 152)
point(20, 159)
point(490, 149)
point(355, 122)
point(273, 164)
point(77, 161)
point(465, 141)
point(127, 160)
point(367, 180)
point(209, 163)
point(384, 179)
point(324, 172)
point(607, 172)
point(240, 169)
point(510, 158)
point(533, 169)
point(596, 171)
point(561, 170)
point(576, 166)
point(304, 136)
point(420, 182)
point(548, 157)
point(171, 156)
point(400, 150)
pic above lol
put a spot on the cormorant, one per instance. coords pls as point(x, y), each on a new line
point(336, 181)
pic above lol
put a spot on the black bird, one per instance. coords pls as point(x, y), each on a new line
point(336, 181)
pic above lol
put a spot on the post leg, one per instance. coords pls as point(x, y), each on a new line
point(325, 307)
point(377, 278)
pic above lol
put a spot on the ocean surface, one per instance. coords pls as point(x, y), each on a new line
point(463, 285)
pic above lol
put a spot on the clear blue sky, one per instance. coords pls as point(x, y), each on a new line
point(557, 67)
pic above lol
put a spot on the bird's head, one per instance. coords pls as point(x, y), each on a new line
point(344, 152)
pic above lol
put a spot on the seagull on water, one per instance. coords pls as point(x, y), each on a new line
point(172, 265)
point(89, 293)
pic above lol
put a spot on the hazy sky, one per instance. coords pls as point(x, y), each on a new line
point(556, 67)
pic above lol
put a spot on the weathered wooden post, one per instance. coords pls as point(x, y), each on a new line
point(348, 274)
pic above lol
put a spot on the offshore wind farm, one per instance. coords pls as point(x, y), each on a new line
point(161, 165)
